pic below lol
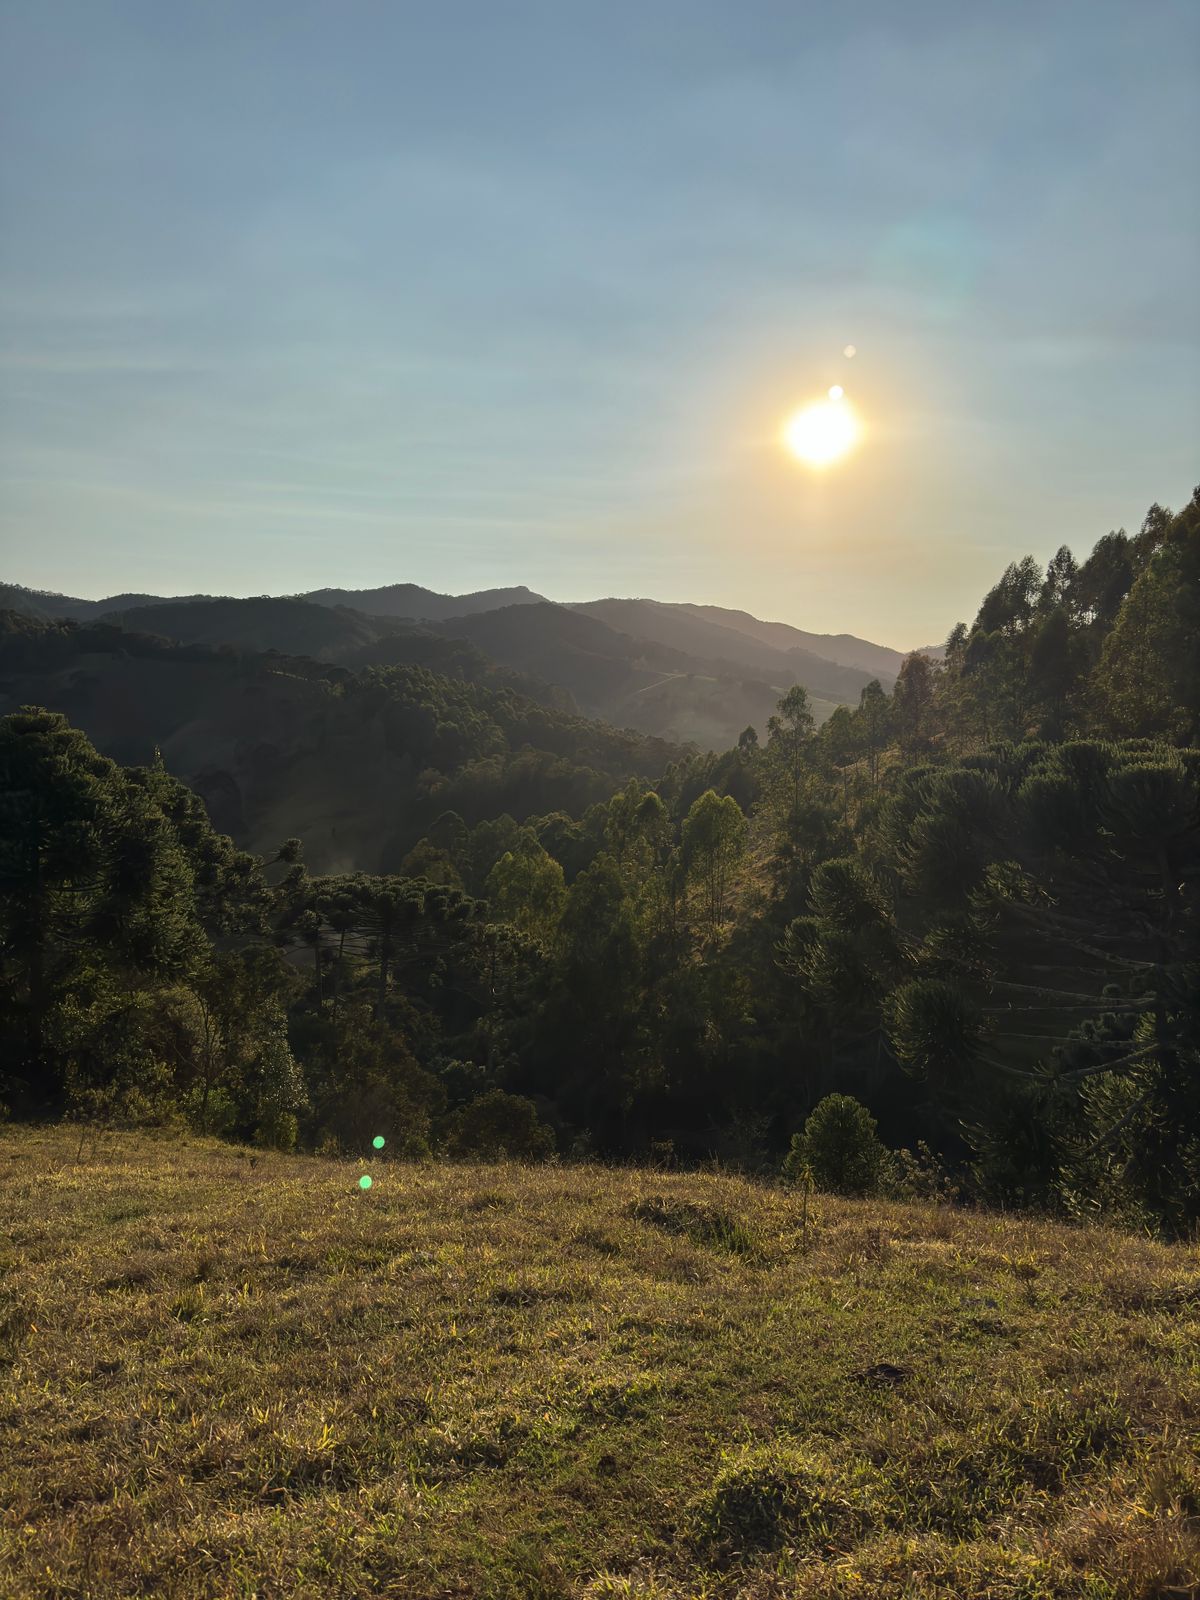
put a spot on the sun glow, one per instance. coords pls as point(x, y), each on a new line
point(822, 433)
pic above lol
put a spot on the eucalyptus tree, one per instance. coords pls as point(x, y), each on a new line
point(913, 702)
point(714, 839)
point(1072, 875)
point(526, 887)
point(788, 734)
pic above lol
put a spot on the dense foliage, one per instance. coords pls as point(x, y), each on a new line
point(971, 904)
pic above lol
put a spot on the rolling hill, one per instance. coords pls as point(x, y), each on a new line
point(232, 1371)
point(843, 648)
point(684, 628)
point(47, 603)
point(641, 682)
point(686, 673)
point(357, 764)
point(293, 627)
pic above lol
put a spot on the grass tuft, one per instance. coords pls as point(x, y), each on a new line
point(702, 1224)
point(766, 1493)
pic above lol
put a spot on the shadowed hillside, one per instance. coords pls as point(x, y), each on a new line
point(691, 674)
point(692, 629)
point(630, 682)
point(576, 659)
point(293, 627)
point(842, 648)
point(357, 764)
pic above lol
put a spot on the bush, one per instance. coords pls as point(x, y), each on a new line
point(917, 1175)
point(839, 1149)
point(498, 1127)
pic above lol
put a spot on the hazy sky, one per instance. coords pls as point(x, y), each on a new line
point(465, 294)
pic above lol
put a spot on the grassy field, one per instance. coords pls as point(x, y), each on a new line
point(229, 1374)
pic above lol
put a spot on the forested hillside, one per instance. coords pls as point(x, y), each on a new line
point(710, 634)
point(843, 648)
point(683, 673)
point(635, 680)
point(356, 763)
point(970, 903)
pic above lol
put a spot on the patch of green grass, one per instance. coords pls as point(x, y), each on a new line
point(766, 1493)
point(703, 1224)
point(219, 1379)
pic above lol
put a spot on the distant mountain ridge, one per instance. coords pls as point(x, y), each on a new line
point(410, 602)
point(676, 671)
point(414, 604)
point(710, 632)
point(402, 600)
point(844, 648)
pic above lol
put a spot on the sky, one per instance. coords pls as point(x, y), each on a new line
point(465, 294)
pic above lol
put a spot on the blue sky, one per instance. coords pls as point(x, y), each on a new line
point(475, 293)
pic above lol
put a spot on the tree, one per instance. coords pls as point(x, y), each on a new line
point(839, 1149)
point(714, 837)
point(841, 957)
point(934, 1030)
point(1148, 677)
point(1060, 1004)
point(637, 829)
point(401, 923)
point(592, 1015)
point(1008, 608)
point(231, 1017)
point(527, 889)
point(788, 733)
point(912, 701)
point(1053, 669)
point(874, 715)
point(363, 1080)
point(279, 1092)
point(1103, 581)
point(1058, 587)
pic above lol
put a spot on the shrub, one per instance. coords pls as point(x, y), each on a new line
point(499, 1127)
point(839, 1148)
point(917, 1175)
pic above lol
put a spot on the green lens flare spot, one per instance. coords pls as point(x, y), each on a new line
point(365, 1182)
point(379, 1141)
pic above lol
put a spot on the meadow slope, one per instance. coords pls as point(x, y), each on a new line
point(236, 1374)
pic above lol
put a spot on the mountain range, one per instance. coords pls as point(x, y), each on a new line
point(684, 673)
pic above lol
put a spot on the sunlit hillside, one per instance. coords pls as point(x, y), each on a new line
point(234, 1373)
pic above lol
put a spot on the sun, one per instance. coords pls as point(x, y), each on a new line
point(823, 432)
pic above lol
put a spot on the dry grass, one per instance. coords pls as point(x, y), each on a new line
point(236, 1375)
